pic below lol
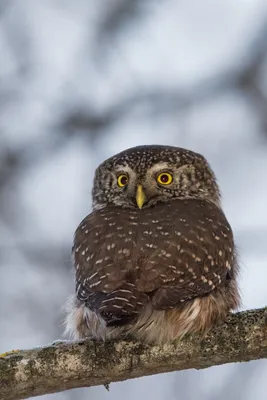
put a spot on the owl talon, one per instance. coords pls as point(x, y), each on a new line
point(59, 342)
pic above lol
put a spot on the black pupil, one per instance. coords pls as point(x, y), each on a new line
point(164, 178)
point(124, 180)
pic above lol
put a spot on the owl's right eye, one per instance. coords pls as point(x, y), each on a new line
point(122, 180)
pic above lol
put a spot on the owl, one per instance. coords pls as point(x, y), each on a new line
point(155, 259)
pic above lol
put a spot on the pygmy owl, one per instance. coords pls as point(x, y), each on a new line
point(155, 259)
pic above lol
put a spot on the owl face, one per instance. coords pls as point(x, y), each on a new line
point(143, 176)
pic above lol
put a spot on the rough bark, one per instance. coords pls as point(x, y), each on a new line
point(26, 373)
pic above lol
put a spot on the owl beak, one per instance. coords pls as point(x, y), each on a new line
point(140, 196)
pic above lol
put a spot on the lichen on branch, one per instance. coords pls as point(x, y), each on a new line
point(63, 366)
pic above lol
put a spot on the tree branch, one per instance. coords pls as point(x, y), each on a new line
point(25, 373)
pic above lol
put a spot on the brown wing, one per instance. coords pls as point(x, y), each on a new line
point(168, 254)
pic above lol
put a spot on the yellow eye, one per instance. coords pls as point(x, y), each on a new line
point(165, 178)
point(122, 180)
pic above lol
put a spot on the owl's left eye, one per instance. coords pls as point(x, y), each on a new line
point(122, 180)
point(165, 178)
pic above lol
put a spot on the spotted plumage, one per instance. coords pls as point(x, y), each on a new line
point(156, 257)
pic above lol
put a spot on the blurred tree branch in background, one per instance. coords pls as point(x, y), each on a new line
point(243, 337)
point(245, 78)
point(72, 76)
point(89, 124)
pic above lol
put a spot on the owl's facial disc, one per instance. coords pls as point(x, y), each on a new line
point(142, 189)
point(143, 176)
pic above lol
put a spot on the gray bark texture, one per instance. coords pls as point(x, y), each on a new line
point(26, 373)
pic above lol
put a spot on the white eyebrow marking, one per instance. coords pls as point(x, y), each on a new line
point(158, 167)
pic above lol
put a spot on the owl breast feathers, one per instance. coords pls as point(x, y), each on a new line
point(156, 257)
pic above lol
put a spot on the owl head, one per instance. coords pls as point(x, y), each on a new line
point(143, 176)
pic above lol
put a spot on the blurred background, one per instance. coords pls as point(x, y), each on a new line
point(82, 80)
